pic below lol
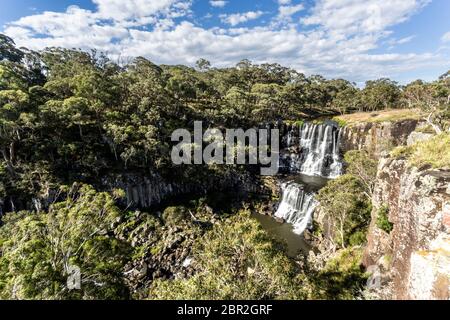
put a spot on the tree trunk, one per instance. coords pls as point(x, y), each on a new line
point(436, 128)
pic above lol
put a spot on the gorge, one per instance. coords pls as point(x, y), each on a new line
point(87, 181)
point(414, 257)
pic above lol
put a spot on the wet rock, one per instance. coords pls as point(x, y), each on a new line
point(279, 220)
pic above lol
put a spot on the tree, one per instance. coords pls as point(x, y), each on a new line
point(8, 50)
point(38, 248)
point(381, 94)
point(346, 100)
point(236, 260)
point(433, 99)
point(203, 64)
point(362, 165)
point(347, 206)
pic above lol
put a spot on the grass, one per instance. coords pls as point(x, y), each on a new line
point(434, 152)
point(378, 116)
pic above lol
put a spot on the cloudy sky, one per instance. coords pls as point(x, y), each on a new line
point(353, 39)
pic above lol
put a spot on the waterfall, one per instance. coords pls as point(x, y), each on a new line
point(317, 152)
point(319, 144)
point(297, 206)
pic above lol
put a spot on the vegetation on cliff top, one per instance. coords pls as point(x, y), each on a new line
point(379, 116)
point(434, 152)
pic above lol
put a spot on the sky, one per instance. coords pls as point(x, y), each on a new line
point(358, 40)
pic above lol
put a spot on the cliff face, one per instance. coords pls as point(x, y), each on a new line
point(376, 137)
point(414, 257)
point(146, 191)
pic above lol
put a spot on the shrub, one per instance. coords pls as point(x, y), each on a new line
point(382, 219)
point(341, 278)
point(174, 215)
point(299, 123)
point(358, 238)
point(340, 122)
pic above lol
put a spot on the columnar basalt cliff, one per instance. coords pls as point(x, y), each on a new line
point(414, 257)
point(147, 191)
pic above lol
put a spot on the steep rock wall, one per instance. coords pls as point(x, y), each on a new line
point(376, 137)
point(152, 189)
point(414, 257)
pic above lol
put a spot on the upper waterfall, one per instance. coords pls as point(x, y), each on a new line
point(317, 151)
point(296, 206)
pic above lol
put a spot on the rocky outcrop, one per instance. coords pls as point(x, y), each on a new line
point(376, 137)
point(152, 189)
point(415, 137)
point(414, 258)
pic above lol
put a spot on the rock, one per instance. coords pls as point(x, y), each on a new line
point(279, 220)
point(430, 270)
point(307, 235)
point(416, 253)
point(418, 136)
point(376, 137)
point(187, 262)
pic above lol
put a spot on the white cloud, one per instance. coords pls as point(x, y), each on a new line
point(394, 42)
point(284, 2)
point(237, 18)
point(446, 37)
point(287, 11)
point(218, 3)
point(353, 16)
point(341, 45)
point(133, 9)
point(405, 39)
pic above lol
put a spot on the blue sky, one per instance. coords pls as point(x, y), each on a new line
point(353, 39)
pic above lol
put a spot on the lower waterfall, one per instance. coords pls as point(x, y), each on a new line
point(297, 206)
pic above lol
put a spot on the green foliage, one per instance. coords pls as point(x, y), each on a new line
point(383, 219)
point(174, 215)
point(69, 115)
point(80, 115)
point(431, 98)
point(37, 248)
point(358, 238)
point(235, 260)
point(380, 94)
point(345, 202)
point(341, 122)
point(341, 278)
point(432, 152)
point(361, 164)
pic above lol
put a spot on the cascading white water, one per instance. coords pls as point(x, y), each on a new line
point(312, 150)
point(318, 151)
point(297, 206)
point(320, 145)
